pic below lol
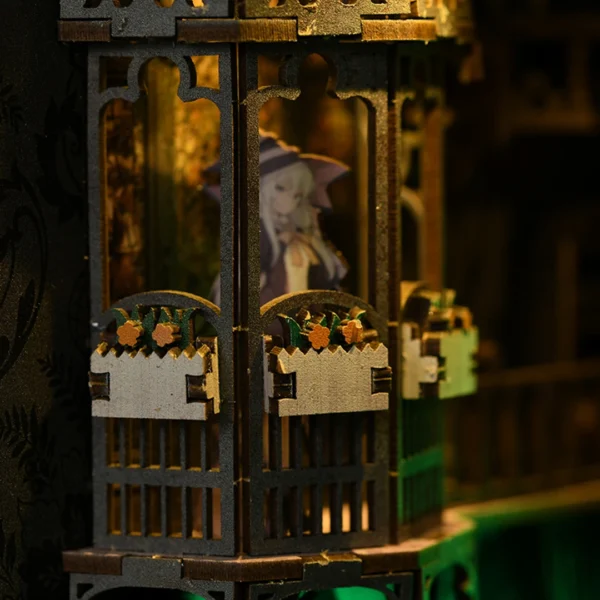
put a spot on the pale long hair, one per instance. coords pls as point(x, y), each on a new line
point(299, 177)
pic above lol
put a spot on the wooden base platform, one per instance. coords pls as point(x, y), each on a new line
point(410, 555)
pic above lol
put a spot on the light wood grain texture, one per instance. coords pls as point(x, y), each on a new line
point(150, 387)
point(232, 31)
point(332, 381)
point(404, 30)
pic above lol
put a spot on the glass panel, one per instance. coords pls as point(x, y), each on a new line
point(311, 207)
point(163, 225)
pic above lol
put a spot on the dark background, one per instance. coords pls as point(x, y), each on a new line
point(522, 209)
point(44, 410)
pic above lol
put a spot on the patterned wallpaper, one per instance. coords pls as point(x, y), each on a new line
point(44, 412)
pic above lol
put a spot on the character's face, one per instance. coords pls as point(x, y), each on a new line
point(287, 197)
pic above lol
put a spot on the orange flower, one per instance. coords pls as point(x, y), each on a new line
point(319, 337)
point(166, 334)
point(129, 333)
point(353, 332)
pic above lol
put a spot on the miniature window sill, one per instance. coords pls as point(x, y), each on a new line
point(181, 385)
point(334, 380)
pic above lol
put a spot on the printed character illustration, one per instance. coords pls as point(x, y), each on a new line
point(294, 256)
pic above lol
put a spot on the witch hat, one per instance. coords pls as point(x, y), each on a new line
point(276, 155)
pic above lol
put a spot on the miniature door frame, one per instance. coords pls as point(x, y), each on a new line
point(353, 74)
point(222, 318)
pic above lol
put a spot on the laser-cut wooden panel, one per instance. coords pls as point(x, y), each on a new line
point(333, 381)
point(163, 484)
point(353, 73)
point(327, 17)
point(142, 18)
point(153, 387)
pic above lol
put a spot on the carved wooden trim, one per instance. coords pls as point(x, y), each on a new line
point(235, 31)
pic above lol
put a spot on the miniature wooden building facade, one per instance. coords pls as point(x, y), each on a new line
point(244, 442)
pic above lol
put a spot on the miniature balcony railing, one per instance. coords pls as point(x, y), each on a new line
point(145, 384)
point(160, 18)
point(323, 481)
point(163, 427)
point(329, 363)
point(439, 345)
point(155, 369)
point(327, 17)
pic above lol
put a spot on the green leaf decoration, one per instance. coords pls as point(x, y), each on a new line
point(121, 316)
point(166, 316)
point(148, 323)
point(292, 331)
point(137, 314)
point(150, 316)
point(334, 322)
point(185, 320)
point(297, 331)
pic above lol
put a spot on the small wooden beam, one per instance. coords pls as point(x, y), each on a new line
point(92, 561)
point(243, 569)
point(398, 30)
point(84, 31)
point(234, 31)
point(408, 555)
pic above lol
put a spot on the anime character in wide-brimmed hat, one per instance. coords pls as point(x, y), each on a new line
point(294, 256)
